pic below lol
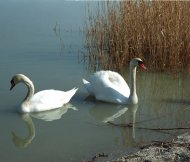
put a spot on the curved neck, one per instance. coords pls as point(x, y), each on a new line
point(30, 92)
point(24, 142)
point(31, 128)
point(133, 96)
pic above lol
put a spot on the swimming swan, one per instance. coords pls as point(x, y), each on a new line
point(110, 86)
point(43, 100)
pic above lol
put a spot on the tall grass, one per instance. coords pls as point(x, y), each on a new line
point(156, 31)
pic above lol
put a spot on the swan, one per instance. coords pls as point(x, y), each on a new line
point(110, 86)
point(43, 100)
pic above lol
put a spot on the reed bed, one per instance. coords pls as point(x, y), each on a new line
point(156, 31)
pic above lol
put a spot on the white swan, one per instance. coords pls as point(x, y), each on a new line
point(110, 86)
point(43, 100)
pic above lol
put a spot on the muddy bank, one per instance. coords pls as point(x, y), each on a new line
point(176, 150)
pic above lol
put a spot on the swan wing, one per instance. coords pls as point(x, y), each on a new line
point(109, 86)
point(50, 99)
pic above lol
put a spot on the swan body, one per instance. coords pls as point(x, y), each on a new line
point(110, 86)
point(107, 86)
point(43, 100)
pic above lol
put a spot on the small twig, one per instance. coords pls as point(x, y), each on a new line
point(130, 125)
point(95, 157)
point(164, 128)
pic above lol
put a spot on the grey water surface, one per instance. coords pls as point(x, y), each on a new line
point(44, 40)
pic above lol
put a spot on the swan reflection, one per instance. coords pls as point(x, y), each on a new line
point(107, 113)
point(116, 115)
point(132, 113)
point(23, 142)
point(53, 114)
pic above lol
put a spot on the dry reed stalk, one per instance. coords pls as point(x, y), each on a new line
point(157, 31)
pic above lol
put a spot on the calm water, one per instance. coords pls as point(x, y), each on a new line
point(52, 59)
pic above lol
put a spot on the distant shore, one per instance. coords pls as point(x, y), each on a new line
point(176, 150)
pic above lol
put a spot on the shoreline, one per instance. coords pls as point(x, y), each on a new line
point(176, 150)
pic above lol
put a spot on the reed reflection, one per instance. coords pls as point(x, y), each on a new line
point(166, 97)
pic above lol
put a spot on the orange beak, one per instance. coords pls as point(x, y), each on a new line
point(143, 66)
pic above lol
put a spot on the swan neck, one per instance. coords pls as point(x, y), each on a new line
point(30, 92)
point(133, 96)
point(133, 80)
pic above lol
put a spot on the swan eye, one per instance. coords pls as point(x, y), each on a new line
point(140, 62)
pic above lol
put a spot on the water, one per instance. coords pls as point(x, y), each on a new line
point(52, 59)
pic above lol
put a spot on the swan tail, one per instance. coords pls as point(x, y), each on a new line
point(71, 93)
point(88, 87)
point(85, 81)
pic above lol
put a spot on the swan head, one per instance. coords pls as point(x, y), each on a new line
point(137, 62)
point(19, 78)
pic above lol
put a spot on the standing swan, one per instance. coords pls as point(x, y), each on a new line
point(110, 86)
point(43, 100)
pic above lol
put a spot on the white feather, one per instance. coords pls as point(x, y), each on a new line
point(43, 100)
point(108, 86)
point(48, 100)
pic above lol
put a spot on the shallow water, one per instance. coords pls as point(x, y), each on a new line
point(53, 59)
